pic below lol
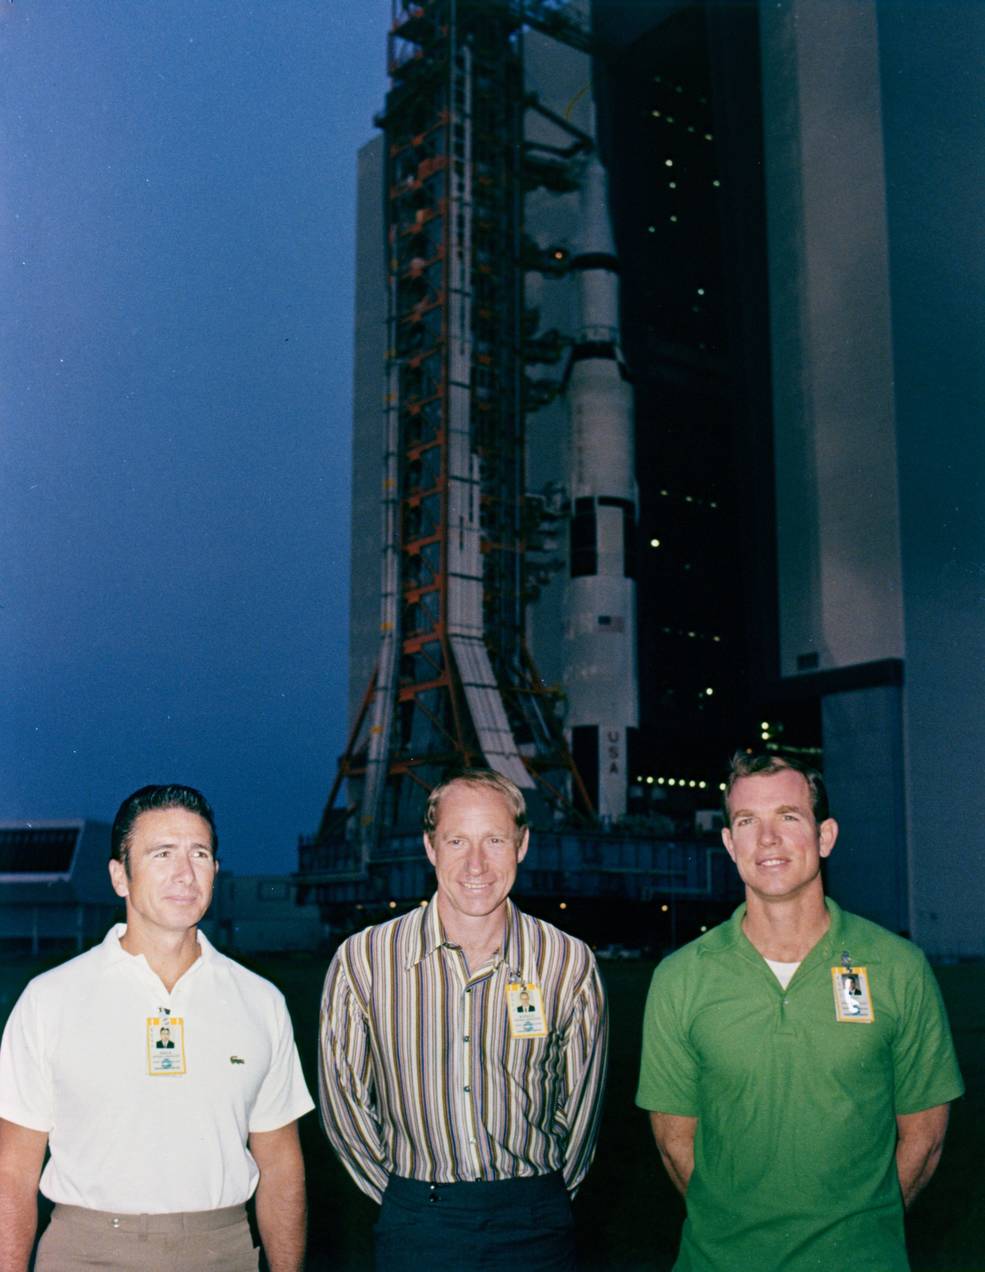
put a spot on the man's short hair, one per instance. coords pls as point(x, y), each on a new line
point(765, 765)
point(477, 777)
point(154, 797)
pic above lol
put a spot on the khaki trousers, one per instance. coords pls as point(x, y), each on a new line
point(79, 1240)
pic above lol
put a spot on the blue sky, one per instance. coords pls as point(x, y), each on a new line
point(177, 220)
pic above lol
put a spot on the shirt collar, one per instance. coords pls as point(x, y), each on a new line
point(113, 951)
point(729, 935)
point(433, 936)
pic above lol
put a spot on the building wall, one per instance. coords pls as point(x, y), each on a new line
point(875, 144)
point(935, 156)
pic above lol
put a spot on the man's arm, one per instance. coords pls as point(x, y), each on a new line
point(282, 1210)
point(919, 1147)
point(586, 1048)
point(346, 1085)
point(21, 1159)
point(675, 1142)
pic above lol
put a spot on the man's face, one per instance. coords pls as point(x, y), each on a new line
point(774, 840)
point(172, 871)
point(475, 850)
point(165, 1035)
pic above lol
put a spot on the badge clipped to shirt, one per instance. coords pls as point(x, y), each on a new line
point(853, 1000)
point(525, 1008)
point(165, 1046)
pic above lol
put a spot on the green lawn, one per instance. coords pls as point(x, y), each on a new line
point(628, 1215)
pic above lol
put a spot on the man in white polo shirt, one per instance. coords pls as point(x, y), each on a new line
point(154, 1150)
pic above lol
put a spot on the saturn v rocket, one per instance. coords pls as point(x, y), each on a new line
point(600, 668)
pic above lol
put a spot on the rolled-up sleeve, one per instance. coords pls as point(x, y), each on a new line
point(346, 1086)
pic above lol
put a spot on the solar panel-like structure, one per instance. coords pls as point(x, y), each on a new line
point(34, 850)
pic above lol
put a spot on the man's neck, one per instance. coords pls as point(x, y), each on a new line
point(169, 955)
point(479, 938)
point(786, 929)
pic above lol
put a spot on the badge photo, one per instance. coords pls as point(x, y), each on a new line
point(853, 999)
point(165, 1046)
point(525, 1008)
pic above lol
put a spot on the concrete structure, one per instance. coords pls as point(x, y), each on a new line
point(255, 913)
point(875, 144)
point(54, 884)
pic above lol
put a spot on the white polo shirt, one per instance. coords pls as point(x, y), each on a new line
point(128, 1131)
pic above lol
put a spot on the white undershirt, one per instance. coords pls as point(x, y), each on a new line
point(783, 971)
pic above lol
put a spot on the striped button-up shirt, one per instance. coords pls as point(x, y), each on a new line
point(420, 1073)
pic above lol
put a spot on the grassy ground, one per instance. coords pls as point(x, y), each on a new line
point(628, 1215)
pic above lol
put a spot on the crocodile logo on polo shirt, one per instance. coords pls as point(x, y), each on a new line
point(236, 1060)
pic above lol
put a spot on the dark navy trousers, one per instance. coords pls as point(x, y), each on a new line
point(509, 1224)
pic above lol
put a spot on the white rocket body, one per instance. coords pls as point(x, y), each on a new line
point(600, 668)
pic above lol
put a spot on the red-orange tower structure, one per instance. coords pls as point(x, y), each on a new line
point(453, 684)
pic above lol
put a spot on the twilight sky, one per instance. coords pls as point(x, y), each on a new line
point(177, 207)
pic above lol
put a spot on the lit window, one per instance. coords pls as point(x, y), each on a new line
point(674, 219)
point(393, 905)
point(708, 136)
point(765, 736)
point(660, 781)
point(702, 785)
point(670, 119)
point(692, 782)
point(649, 781)
point(664, 909)
point(655, 114)
point(671, 185)
point(671, 781)
point(701, 291)
point(668, 163)
point(710, 692)
point(721, 786)
point(654, 543)
point(716, 184)
point(704, 928)
point(652, 229)
point(563, 905)
point(764, 724)
point(690, 127)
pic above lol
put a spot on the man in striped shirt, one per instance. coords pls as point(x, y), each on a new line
point(472, 1123)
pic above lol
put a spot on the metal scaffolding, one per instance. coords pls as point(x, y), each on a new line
point(453, 683)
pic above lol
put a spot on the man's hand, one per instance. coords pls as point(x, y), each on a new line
point(675, 1141)
point(21, 1159)
point(282, 1210)
point(919, 1147)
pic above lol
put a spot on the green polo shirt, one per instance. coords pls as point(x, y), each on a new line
point(794, 1153)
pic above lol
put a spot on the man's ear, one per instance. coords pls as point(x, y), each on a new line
point(727, 841)
point(524, 844)
point(427, 848)
point(118, 878)
point(827, 833)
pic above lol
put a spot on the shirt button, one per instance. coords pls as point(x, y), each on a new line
point(116, 1223)
point(786, 1002)
point(466, 1038)
point(468, 1089)
point(468, 989)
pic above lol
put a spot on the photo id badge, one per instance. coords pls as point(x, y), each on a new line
point(525, 1008)
point(165, 1046)
point(853, 1001)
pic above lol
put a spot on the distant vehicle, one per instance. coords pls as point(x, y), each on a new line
point(618, 951)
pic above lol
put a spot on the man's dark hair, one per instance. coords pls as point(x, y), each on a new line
point(745, 765)
point(155, 797)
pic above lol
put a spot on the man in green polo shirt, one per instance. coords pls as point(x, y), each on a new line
point(797, 1060)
